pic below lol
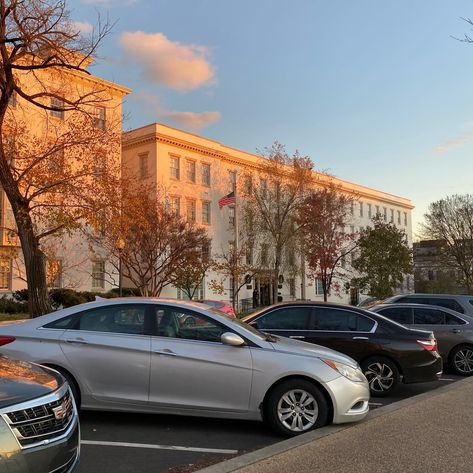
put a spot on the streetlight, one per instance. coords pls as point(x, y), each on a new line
point(120, 245)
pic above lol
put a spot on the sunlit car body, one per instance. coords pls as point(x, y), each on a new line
point(133, 355)
point(39, 430)
point(220, 305)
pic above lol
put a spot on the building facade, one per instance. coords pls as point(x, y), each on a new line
point(193, 173)
point(73, 261)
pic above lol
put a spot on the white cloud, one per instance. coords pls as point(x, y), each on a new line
point(83, 27)
point(193, 120)
point(455, 141)
point(164, 62)
point(190, 120)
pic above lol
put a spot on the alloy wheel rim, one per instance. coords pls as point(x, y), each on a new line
point(297, 410)
point(380, 377)
point(463, 360)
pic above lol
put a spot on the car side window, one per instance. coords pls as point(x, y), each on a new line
point(339, 320)
point(428, 316)
point(62, 324)
point(448, 303)
point(286, 318)
point(413, 300)
point(129, 318)
point(401, 315)
point(174, 322)
point(452, 320)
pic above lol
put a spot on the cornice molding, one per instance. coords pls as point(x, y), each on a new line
point(345, 186)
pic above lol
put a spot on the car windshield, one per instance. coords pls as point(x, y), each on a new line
point(243, 325)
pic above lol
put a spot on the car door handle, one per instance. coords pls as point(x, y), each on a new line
point(360, 338)
point(79, 341)
point(455, 330)
point(165, 352)
point(299, 337)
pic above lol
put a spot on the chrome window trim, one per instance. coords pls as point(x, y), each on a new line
point(39, 401)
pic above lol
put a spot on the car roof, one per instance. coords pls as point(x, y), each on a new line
point(426, 294)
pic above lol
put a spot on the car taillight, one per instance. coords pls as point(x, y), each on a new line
point(5, 340)
point(429, 345)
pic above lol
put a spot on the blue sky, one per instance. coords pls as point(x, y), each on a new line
point(378, 93)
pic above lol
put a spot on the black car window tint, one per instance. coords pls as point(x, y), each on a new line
point(448, 303)
point(365, 324)
point(287, 318)
point(452, 320)
point(63, 324)
point(401, 315)
point(429, 316)
point(339, 320)
point(174, 322)
point(129, 319)
point(471, 301)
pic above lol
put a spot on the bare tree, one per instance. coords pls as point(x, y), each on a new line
point(451, 221)
point(40, 53)
point(190, 275)
point(233, 265)
point(323, 217)
point(276, 192)
point(156, 242)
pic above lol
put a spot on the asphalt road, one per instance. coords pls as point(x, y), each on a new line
point(144, 443)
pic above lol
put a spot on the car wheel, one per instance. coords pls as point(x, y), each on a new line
point(296, 406)
point(382, 375)
point(461, 360)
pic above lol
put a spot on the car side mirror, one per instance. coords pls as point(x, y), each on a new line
point(232, 339)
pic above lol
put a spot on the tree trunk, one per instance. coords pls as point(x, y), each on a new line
point(35, 265)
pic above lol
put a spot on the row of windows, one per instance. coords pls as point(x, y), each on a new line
point(190, 170)
point(191, 209)
point(372, 210)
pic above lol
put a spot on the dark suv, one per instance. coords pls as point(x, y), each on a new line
point(460, 303)
point(386, 351)
point(39, 429)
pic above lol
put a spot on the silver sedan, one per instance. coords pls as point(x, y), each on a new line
point(168, 356)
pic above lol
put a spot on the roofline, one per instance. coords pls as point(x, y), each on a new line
point(157, 135)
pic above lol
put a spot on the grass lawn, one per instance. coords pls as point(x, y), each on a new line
point(13, 316)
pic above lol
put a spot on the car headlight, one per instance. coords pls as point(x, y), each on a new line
point(349, 372)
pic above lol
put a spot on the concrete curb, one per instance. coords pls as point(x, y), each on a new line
point(286, 445)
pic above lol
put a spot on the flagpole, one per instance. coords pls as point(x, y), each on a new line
point(235, 296)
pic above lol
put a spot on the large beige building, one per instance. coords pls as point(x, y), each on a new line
point(72, 260)
point(194, 172)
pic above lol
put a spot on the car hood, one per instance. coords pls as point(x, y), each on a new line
point(21, 381)
point(296, 347)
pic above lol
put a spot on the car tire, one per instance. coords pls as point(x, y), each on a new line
point(461, 360)
point(382, 375)
point(285, 414)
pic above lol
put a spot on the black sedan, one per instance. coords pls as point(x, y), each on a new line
point(453, 331)
point(387, 352)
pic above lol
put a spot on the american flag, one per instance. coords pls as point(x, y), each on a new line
point(227, 200)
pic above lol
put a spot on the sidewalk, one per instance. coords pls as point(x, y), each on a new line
point(432, 432)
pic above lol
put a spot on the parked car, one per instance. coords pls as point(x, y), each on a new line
point(220, 305)
point(387, 352)
point(453, 331)
point(133, 354)
point(462, 304)
point(39, 429)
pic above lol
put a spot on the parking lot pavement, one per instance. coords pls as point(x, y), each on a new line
point(146, 443)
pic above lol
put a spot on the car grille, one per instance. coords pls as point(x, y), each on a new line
point(42, 422)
